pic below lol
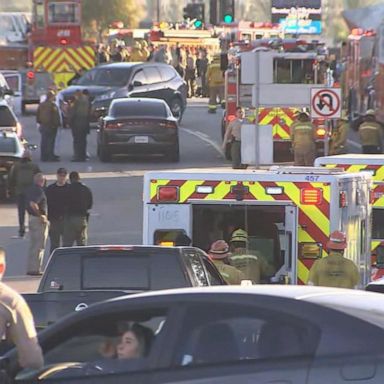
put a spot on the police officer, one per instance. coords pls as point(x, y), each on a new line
point(370, 133)
point(337, 145)
point(215, 83)
point(48, 118)
point(218, 253)
point(20, 178)
point(252, 266)
point(56, 199)
point(17, 325)
point(79, 202)
point(303, 140)
point(335, 270)
point(233, 136)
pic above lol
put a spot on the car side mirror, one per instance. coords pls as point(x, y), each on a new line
point(137, 83)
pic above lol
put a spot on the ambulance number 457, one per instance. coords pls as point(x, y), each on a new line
point(312, 178)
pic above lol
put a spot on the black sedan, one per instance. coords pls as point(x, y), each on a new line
point(138, 127)
point(259, 334)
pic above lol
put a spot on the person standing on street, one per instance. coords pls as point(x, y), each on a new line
point(303, 137)
point(190, 73)
point(17, 325)
point(36, 203)
point(79, 202)
point(79, 121)
point(370, 134)
point(56, 200)
point(337, 145)
point(219, 253)
point(233, 137)
point(215, 80)
point(335, 270)
point(20, 178)
point(48, 118)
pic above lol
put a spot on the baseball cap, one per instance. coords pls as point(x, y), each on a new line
point(62, 171)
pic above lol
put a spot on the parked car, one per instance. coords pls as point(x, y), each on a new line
point(138, 126)
point(76, 277)
point(8, 119)
point(258, 334)
point(110, 81)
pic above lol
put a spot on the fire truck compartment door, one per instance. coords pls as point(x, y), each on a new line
point(176, 217)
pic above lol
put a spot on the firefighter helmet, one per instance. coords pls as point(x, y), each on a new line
point(239, 235)
point(337, 240)
point(219, 249)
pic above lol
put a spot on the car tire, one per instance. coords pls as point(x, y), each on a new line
point(174, 155)
point(176, 107)
point(103, 153)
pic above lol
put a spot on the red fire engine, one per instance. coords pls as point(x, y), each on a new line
point(56, 44)
point(298, 63)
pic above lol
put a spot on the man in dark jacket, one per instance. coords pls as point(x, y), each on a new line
point(48, 118)
point(79, 202)
point(20, 178)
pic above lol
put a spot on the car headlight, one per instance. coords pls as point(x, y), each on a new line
point(106, 96)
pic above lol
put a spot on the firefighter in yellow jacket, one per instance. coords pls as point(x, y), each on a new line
point(335, 270)
point(137, 55)
point(337, 145)
point(370, 133)
point(303, 137)
point(215, 79)
point(218, 254)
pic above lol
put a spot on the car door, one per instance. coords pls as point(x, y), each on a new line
point(85, 351)
point(15, 83)
point(230, 343)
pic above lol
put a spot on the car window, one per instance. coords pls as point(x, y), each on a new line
point(195, 267)
point(228, 333)
point(167, 73)
point(142, 108)
point(104, 341)
point(152, 75)
point(140, 77)
point(106, 76)
point(7, 144)
point(6, 117)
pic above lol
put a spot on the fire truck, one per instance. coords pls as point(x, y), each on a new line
point(288, 213)
point(56, 43)
point(295, 62)
point(372, 164)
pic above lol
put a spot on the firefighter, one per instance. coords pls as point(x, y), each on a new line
point(337, 145)
point(219, 253)
point(215, 79)
point(370, 133)
point(303, 140)
point(252, 266)
point(137, 53)
point(335, 270)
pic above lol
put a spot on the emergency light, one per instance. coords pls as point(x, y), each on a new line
point(167, 193)
point(30, 75)
point(206, 189)
point(342, 199)
point(274, 190)
point(313, 196)
point(63, 41)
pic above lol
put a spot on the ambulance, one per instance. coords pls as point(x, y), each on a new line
point(374, 165)
point(287, 212)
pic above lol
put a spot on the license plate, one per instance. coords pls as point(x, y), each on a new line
point(141, 139)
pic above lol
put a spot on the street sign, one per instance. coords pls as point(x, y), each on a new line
point(326, 103)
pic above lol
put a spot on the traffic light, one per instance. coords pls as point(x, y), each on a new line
point(195, 12)
point(227, 11)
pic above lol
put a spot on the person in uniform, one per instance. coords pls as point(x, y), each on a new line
point(137, 53)
point(56, 199)
point(215, 80)
point(370, 134)
point(79, 202)
point(17, 325)
point(335, 270)
point(337, 145)
point(233, 136)
point(219, 253)
point(48, 118)
point(252, 266)
point(303, 137)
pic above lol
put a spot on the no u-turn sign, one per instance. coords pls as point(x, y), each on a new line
point(326, 103)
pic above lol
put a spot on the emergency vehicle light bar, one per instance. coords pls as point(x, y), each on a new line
point(274, 190)
point(167, 193)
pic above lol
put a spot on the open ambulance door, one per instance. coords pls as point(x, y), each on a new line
point(164, 224)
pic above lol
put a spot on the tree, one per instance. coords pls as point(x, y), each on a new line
point(105, 12)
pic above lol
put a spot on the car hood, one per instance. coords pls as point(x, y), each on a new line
point(94, 90)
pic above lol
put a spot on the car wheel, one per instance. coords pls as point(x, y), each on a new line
point(176, 107)
point(174, 155)
point(103, 153)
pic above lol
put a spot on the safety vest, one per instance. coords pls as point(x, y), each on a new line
point(230, 274)
point(370, 133)
point(215, 75)
point(248, 264)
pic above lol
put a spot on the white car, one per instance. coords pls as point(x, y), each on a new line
point(8, 119)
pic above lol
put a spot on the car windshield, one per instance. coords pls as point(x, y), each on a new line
point(106, 76)
point(7, 145)
point(140, 108)
point(6, 117)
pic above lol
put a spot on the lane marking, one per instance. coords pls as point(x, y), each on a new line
point(202, 136)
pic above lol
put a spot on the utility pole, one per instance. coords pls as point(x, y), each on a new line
point(158, 11)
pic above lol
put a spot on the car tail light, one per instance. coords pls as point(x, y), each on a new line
point(170, 125)
point(311, 196)
point(113, 125)
point(167, 193)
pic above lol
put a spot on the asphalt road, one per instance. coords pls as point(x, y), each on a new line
point(117, 187)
